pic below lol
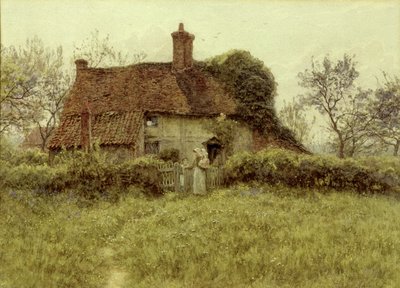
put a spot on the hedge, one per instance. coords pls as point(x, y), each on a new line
point(277, 166)
point(87, 175)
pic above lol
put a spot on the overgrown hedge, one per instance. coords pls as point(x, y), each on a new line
point(86, 175)
point(92, 175)
point(292, 169)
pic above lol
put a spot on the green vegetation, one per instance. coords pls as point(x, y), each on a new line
point(366, 175)
point(254, 87)
point(169, 155)
point(85, 175)
point(89, 222)
point(245, 236)
point(225, 131)
point(93, 175)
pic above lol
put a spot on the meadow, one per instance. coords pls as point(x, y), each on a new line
point(243, 236)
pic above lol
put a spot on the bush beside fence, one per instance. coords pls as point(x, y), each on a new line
point(91, 175)
point(292, 169)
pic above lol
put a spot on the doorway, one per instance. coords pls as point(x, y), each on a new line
point(214, 150)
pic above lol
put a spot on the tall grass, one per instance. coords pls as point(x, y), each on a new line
point(245, 236)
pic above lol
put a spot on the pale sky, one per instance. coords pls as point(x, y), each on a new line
point(283, 34)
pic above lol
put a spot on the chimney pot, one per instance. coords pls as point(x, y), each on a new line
point(81, 64)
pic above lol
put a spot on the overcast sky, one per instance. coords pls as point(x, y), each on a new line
point(283, 34)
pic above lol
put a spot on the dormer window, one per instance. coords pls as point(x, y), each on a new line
point(152, 121)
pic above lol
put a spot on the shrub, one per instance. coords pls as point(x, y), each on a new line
point(170, 154)
point(88, 175)
point(19, 156)
point(279, 166)
point(142, 172)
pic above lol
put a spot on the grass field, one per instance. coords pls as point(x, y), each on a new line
point(237, 237)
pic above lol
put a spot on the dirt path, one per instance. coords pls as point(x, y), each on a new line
point(116, 278)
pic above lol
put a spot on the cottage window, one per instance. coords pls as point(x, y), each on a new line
point(151, 121)
point(152, 147)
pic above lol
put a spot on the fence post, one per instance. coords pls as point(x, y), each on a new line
point(176, 172)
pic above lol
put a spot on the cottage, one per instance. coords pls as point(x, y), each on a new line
point(148, 107)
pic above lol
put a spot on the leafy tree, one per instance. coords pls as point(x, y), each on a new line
point(385, 109)
point(19, 81)
point(33, 87)
point(293, 117)
point(332, 92)
point(99, 52)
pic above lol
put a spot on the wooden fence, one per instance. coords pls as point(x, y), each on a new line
point(174, 177)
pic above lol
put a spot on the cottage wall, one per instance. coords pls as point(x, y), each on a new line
point(186, 133)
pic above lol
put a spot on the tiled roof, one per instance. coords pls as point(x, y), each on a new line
point(107, 129)
point(114, 96)
point(149, 87)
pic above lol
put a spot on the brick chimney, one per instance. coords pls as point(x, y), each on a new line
point(182, 49)
point(86, 128)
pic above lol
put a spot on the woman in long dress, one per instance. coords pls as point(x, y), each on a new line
point(199, 171)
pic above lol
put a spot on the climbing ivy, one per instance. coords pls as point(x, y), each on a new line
point(254, 88)
point(225, 130)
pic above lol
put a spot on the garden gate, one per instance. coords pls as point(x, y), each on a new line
point(175, 177)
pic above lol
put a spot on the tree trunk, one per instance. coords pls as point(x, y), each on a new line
point(396, 148)
point(341, 147)
point(43, 145)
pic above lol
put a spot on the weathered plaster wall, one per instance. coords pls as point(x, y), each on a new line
point(139, 147)
point(187, 133)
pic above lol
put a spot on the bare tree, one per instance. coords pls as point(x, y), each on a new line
point(98, 51)
point(53, 89)
point(293, 117)
point(332, 92)
point(385, 109)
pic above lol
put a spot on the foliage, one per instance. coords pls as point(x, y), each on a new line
point(87, 175)
point(142, 172)
point(33, 87)
point(170, 154)
point(15, 157)
point(244, 236)
point(225, 130)
point(90, 173)
point(285, 167)
point(35, 81)
point(250, 81)
point(254, 86)
point(332, 92)
point(385, 108)
point(18, 84)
